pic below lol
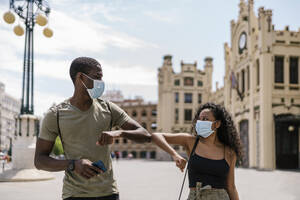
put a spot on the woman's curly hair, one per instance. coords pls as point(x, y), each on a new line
point(227, 132)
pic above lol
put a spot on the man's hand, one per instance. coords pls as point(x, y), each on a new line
point(107, 137)
point(180, 161)
point(85, 168)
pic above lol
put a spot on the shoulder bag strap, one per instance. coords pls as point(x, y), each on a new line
point(193, 151)
point(58, 127)
point(109, 108)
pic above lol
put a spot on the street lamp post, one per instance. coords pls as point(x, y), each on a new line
point(30, 12)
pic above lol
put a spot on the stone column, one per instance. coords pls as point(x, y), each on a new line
point(24, 144)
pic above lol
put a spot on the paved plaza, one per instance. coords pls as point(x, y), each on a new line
point(157, 180)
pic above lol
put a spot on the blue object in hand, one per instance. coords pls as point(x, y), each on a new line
point(100, 165)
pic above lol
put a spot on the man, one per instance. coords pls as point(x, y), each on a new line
point(84, 122)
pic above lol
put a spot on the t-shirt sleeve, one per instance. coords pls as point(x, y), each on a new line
point(49, 130)
point(119, 116)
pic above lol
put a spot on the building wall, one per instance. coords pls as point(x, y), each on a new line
point(144, 114)
point(175, 113)
point(218, 96)
point(262, 99)
point(9, 109)
point(171, 112)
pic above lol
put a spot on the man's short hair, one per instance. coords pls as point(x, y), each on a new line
point(82, 64)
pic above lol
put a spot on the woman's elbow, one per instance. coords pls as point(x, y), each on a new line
point(231, 188)
point(232, 192)
point(156, 136)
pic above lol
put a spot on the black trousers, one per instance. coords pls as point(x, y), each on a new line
point(110, 197)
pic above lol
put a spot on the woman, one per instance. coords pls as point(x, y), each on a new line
point(211, 166)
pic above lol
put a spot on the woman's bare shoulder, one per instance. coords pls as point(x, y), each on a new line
point(190, 140)
point(189, 136)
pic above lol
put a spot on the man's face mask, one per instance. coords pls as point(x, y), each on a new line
point(97, 90)
point(203, 128)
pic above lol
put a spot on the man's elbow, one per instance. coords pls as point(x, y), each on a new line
point(147, 135)
point(37, 162)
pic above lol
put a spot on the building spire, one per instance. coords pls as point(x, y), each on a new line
point(242, 5)
point(243, 8)
point(250, 5)
point(167, 60)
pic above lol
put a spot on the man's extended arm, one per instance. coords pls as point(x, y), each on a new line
point(130, 130)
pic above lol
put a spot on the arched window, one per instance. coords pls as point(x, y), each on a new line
point(188, 81)
point(154, 112)
point(134, 154)
point(200, 83)
point(153, 126)
point(124, 154)
point(144, 125)
point(143, 154)
point(152, 154)
point(134, 114)
point(144, 113)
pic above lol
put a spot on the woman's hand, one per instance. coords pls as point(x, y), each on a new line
point(107, 137)
point(180, 161)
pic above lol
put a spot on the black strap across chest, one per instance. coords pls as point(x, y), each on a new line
point(192, 152)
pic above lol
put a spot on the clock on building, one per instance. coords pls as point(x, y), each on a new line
point(242, 42)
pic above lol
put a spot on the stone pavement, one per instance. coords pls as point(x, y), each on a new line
point(157, 180)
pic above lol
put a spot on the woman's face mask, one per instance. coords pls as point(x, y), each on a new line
point(97, 90)
point(203, 128)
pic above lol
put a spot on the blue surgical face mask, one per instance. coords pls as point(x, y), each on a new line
point(97, 90)
point(203, 128)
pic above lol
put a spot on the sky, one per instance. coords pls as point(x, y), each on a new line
point(129, 38)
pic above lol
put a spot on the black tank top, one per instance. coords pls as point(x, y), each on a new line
point(208, 171)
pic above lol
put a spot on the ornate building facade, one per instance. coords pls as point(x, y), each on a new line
point(180, 94)
point(262, 88)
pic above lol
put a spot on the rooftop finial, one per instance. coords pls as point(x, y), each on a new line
point(208, 61)
point(167, 60)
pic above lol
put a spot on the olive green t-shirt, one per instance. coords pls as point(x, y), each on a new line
point(80, 131)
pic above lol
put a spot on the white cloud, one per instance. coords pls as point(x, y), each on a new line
point(72, 35)
point(109, 13)
point(116, 73)
point(84, 34)
point(43, 102)
point(12, 84)
point(163, 17)
point(92, 8)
